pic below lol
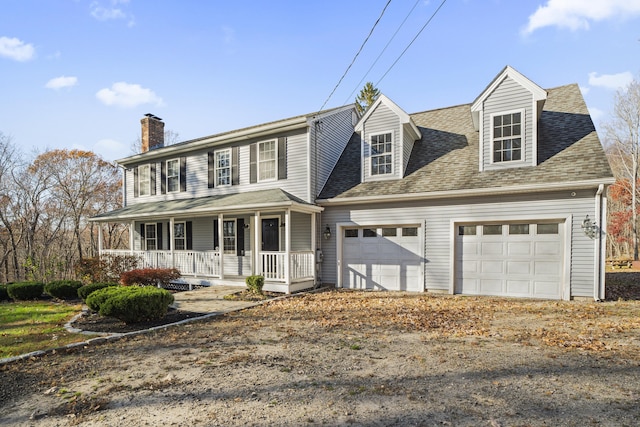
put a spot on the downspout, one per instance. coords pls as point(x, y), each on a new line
point(598, 291)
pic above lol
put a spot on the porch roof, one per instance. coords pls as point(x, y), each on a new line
point(252, 201)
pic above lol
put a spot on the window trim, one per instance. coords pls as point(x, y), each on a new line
point(146, 184)
point(492, 140)
point(176, 176)
point(260, 162)
point(216, 169)
point(371, 155)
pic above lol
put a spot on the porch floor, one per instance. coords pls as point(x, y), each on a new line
point(210, 299)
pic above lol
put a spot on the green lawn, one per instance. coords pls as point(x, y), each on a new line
point(35, 325)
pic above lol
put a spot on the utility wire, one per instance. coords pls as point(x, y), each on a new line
point(358, 86)
point(356, 56)
point(409, 45)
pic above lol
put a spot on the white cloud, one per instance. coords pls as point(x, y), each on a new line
point(60, 82)
point(16, 49)
point(585, 90)
point(110, 149)
point(596, 113)
point(124, 94)
point(611, 81)
point(111, 11)
point(577, 14)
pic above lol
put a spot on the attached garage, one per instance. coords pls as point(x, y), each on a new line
point(382, 258)
point(510, 259)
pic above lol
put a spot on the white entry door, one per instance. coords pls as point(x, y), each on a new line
point(382, 258)
point(516, 260)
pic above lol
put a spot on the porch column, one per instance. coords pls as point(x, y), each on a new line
point(99, 239)
point(258, 244)
point(314, 258)
point(172, 248)
point(132, 229)
point(287, 248)
point(221, 244)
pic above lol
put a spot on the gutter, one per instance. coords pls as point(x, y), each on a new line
point(521, 189)
point(600, 210)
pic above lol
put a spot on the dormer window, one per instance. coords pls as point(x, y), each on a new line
point(507, 137)
point(381, 154)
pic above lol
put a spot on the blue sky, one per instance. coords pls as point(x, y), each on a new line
point(81, 73)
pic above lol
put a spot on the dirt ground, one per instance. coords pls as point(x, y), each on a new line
point(351, 358)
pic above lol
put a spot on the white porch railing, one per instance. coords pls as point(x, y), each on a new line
point(272, 265)
point(190, 263)
point(207, 263)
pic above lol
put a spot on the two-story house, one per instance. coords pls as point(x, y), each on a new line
point(503, 196)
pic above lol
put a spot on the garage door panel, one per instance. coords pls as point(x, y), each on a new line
point(547, 268)
point(519, 248)
point(492, 248)
point(519, 267)
point(492, 267)
point(518, 287)
point(546, 289)
point(547, 248)
point(491, 286)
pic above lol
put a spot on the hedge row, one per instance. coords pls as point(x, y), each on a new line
point(131, 304)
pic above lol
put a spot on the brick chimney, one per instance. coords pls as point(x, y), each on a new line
point(152, 132)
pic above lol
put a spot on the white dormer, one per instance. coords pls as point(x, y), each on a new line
point(387, 135)
point(506, 116)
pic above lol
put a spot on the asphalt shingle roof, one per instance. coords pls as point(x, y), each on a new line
point(446, 158)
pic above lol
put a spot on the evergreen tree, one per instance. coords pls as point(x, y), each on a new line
point(367, 96)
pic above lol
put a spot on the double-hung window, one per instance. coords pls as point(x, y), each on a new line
point(381, 154)
point(144, 180)
point(229, 236)
point(150, 237)
point(179, 236)
point(173, 175)
point(223, 167)
point(267, 160)
point(507, 137)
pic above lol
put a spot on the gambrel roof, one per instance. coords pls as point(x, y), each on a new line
point(444, 162)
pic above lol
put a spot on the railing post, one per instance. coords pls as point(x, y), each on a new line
point(287, 247)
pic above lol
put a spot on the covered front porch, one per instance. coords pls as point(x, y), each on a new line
point(214, 241)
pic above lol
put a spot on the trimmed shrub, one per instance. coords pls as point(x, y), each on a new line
point(63, 289)
point(149, 276)
point(86, 290)
point(95, 300)
point(4, 295)
point(25, 290)
point(135, 304)
point(105, 269)
point(255, 284)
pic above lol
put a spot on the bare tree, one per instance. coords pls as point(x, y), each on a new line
point(623, 133)
point(170, 138)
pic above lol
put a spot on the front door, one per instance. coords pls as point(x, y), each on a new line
point(270, 235)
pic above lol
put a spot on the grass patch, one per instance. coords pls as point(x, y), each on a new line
point(28, 326)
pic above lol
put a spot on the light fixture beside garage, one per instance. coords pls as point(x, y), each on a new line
point(589, 227)
point(327, 232)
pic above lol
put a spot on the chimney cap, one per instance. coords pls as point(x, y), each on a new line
point(152, 116)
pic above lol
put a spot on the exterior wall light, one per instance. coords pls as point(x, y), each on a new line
point(589, 228)
point(327, 232)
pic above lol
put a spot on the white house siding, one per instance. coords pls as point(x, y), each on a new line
point(334, 133)
point(296, 182)
point(508, 96)
point(300, 231)
point(407, 146)
point(383, 120)
point(436, 216)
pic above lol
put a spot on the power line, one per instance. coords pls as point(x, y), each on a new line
point(410, 43)
point(356, 56)
point(381, 53)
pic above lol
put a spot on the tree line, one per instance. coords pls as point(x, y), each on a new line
point(45, 202)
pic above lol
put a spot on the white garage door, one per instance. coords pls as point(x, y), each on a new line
point(382, 258)
point(517, 260)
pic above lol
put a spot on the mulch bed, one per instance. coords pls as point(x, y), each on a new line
point(95, 323)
